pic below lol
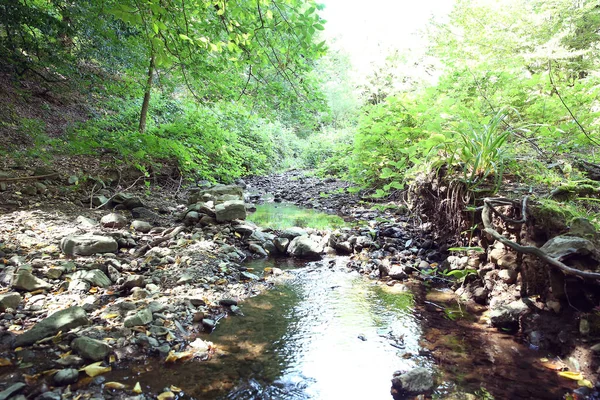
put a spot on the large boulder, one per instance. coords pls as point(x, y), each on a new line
point(63, 320)
point(304, 247)
point(230, 210)
point(86, 245)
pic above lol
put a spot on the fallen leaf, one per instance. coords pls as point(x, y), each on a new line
point(95, 369)
point(93, 290)
point(166, 396)
point(586, 383)
point(5, 362)
point(576, 376)
point(110, 315)
point(137, 389)
point(175, 389)
point(114, 385)
point(179, 356)
point(112, 358)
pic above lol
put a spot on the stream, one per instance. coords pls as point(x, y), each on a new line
point(325, 332)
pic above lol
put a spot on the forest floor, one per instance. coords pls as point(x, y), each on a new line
point(173, 274)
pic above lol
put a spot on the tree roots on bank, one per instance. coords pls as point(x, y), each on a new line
point(487, 213)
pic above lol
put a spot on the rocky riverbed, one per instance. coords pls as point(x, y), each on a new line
point(149, 275)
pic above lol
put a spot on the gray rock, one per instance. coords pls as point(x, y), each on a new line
point(63, 320)
point(113, 220)
point(99, 200)
point(508, 276)
point(230, 210)
point(12, 389)
point(85, 222)
point(582, 227)
point(24, 280)
point(55, 273)
point(49, 396)
point(209, 323)
point(257, 249)
point(29, 190)
point(293, 232)
point(206, 221)
point(281, 244)
point(397, 272)
point(9, 300)
point(507, 316)
point(304, 247)
point(91, 349)
point(66, 377)
point(132, 281)
point(191, 218)
point(228, 302)
point(261, 237)
point(94, 277)
point(86, 245)
point(216, 191)
point(142, 317)
point(414, 382)
point(245, 229)
point(560, 247)
point(248, 276)
point(141, 226)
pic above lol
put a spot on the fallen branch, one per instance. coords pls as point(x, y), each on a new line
point(25, 178)
point(114, 195)
point(167, 236)
point(486, 216)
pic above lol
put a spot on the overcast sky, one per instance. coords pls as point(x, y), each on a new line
point(368, 29)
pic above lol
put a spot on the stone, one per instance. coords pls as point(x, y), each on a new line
point(66, 377)
point(141, 318)
point(554, 305)
point(228, 302)
point(86, 245)
point(480, 295)
point(9, 300)
point(29, 190)
point(24, 280)
point(11, 390)
point(414, 382)
point(257, 249)
point(132, 281)
point(582, 227)
point(113, 220)
point(197, 301)
point(584, 327)
point(55, 273)
point(245, 229)
point(141, 226)
point(293, 232)
point(560, 247)
point(99, 200)
point(216, 191)
point(133, 202)
point(506, 316)
point(73, 180)
point(49, 396)
point(94, 277)
point(206, 221)
point(230, 210)
point(248, 276)
point(508, 276)
point(397, 272)
point(261, 237)
point(596, 348)
point(209, 323)
point(304, 247)
point(281, 244)
point(191, 218)
point(91, 349)
point(63, 320)
point(85, 222)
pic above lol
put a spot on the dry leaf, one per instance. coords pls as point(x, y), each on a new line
point(179, 356)
point(576, 376)
point(95, 369)
point(175, 389)
point(112, 358)
point(5, 362)
point(166, 396)
point(586, 383)
point(110, 315)
point(93, 290)
point(114, 385)
point(137, 389)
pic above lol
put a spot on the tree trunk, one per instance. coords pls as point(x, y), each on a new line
point(146, 102)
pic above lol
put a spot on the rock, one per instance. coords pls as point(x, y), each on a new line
point(132, 281)
point(560, 247)
point(95, 277)
point(191, 218)
point(29, 190)
point(73, 180)
point(85, 222)
point(55, 273)
point(584, 327)
point(86, 245)
point(99, 200)
point(216, 191)
point(257, 249)
point(49, 396)
point(304, 247)
point(141, 226)
point(554, 305)
point(508, 276)
point(12, 389)
point(206, 221)
point(596, 348)
point(92, 349)
point(66, 377)
point(480, 295)
point(9, 300)
point(228, 302)
point(397, 272)
point(230, 210)
point(281, 244)
point(582, 227)
point(63, 320)
point(507, 316)
point(245, 229)
point(24, 280)
point(414, 382)
point(197, 301)
point(293, 232)
point(133, 202)
point(209, 323)
point(248, 276)
point(113, 220)
point(142, 317)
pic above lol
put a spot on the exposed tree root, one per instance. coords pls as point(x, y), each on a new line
point(169, 234)
point(486, 216)
point(25, 178)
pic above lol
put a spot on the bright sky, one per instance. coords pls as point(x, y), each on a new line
point(368, 29)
